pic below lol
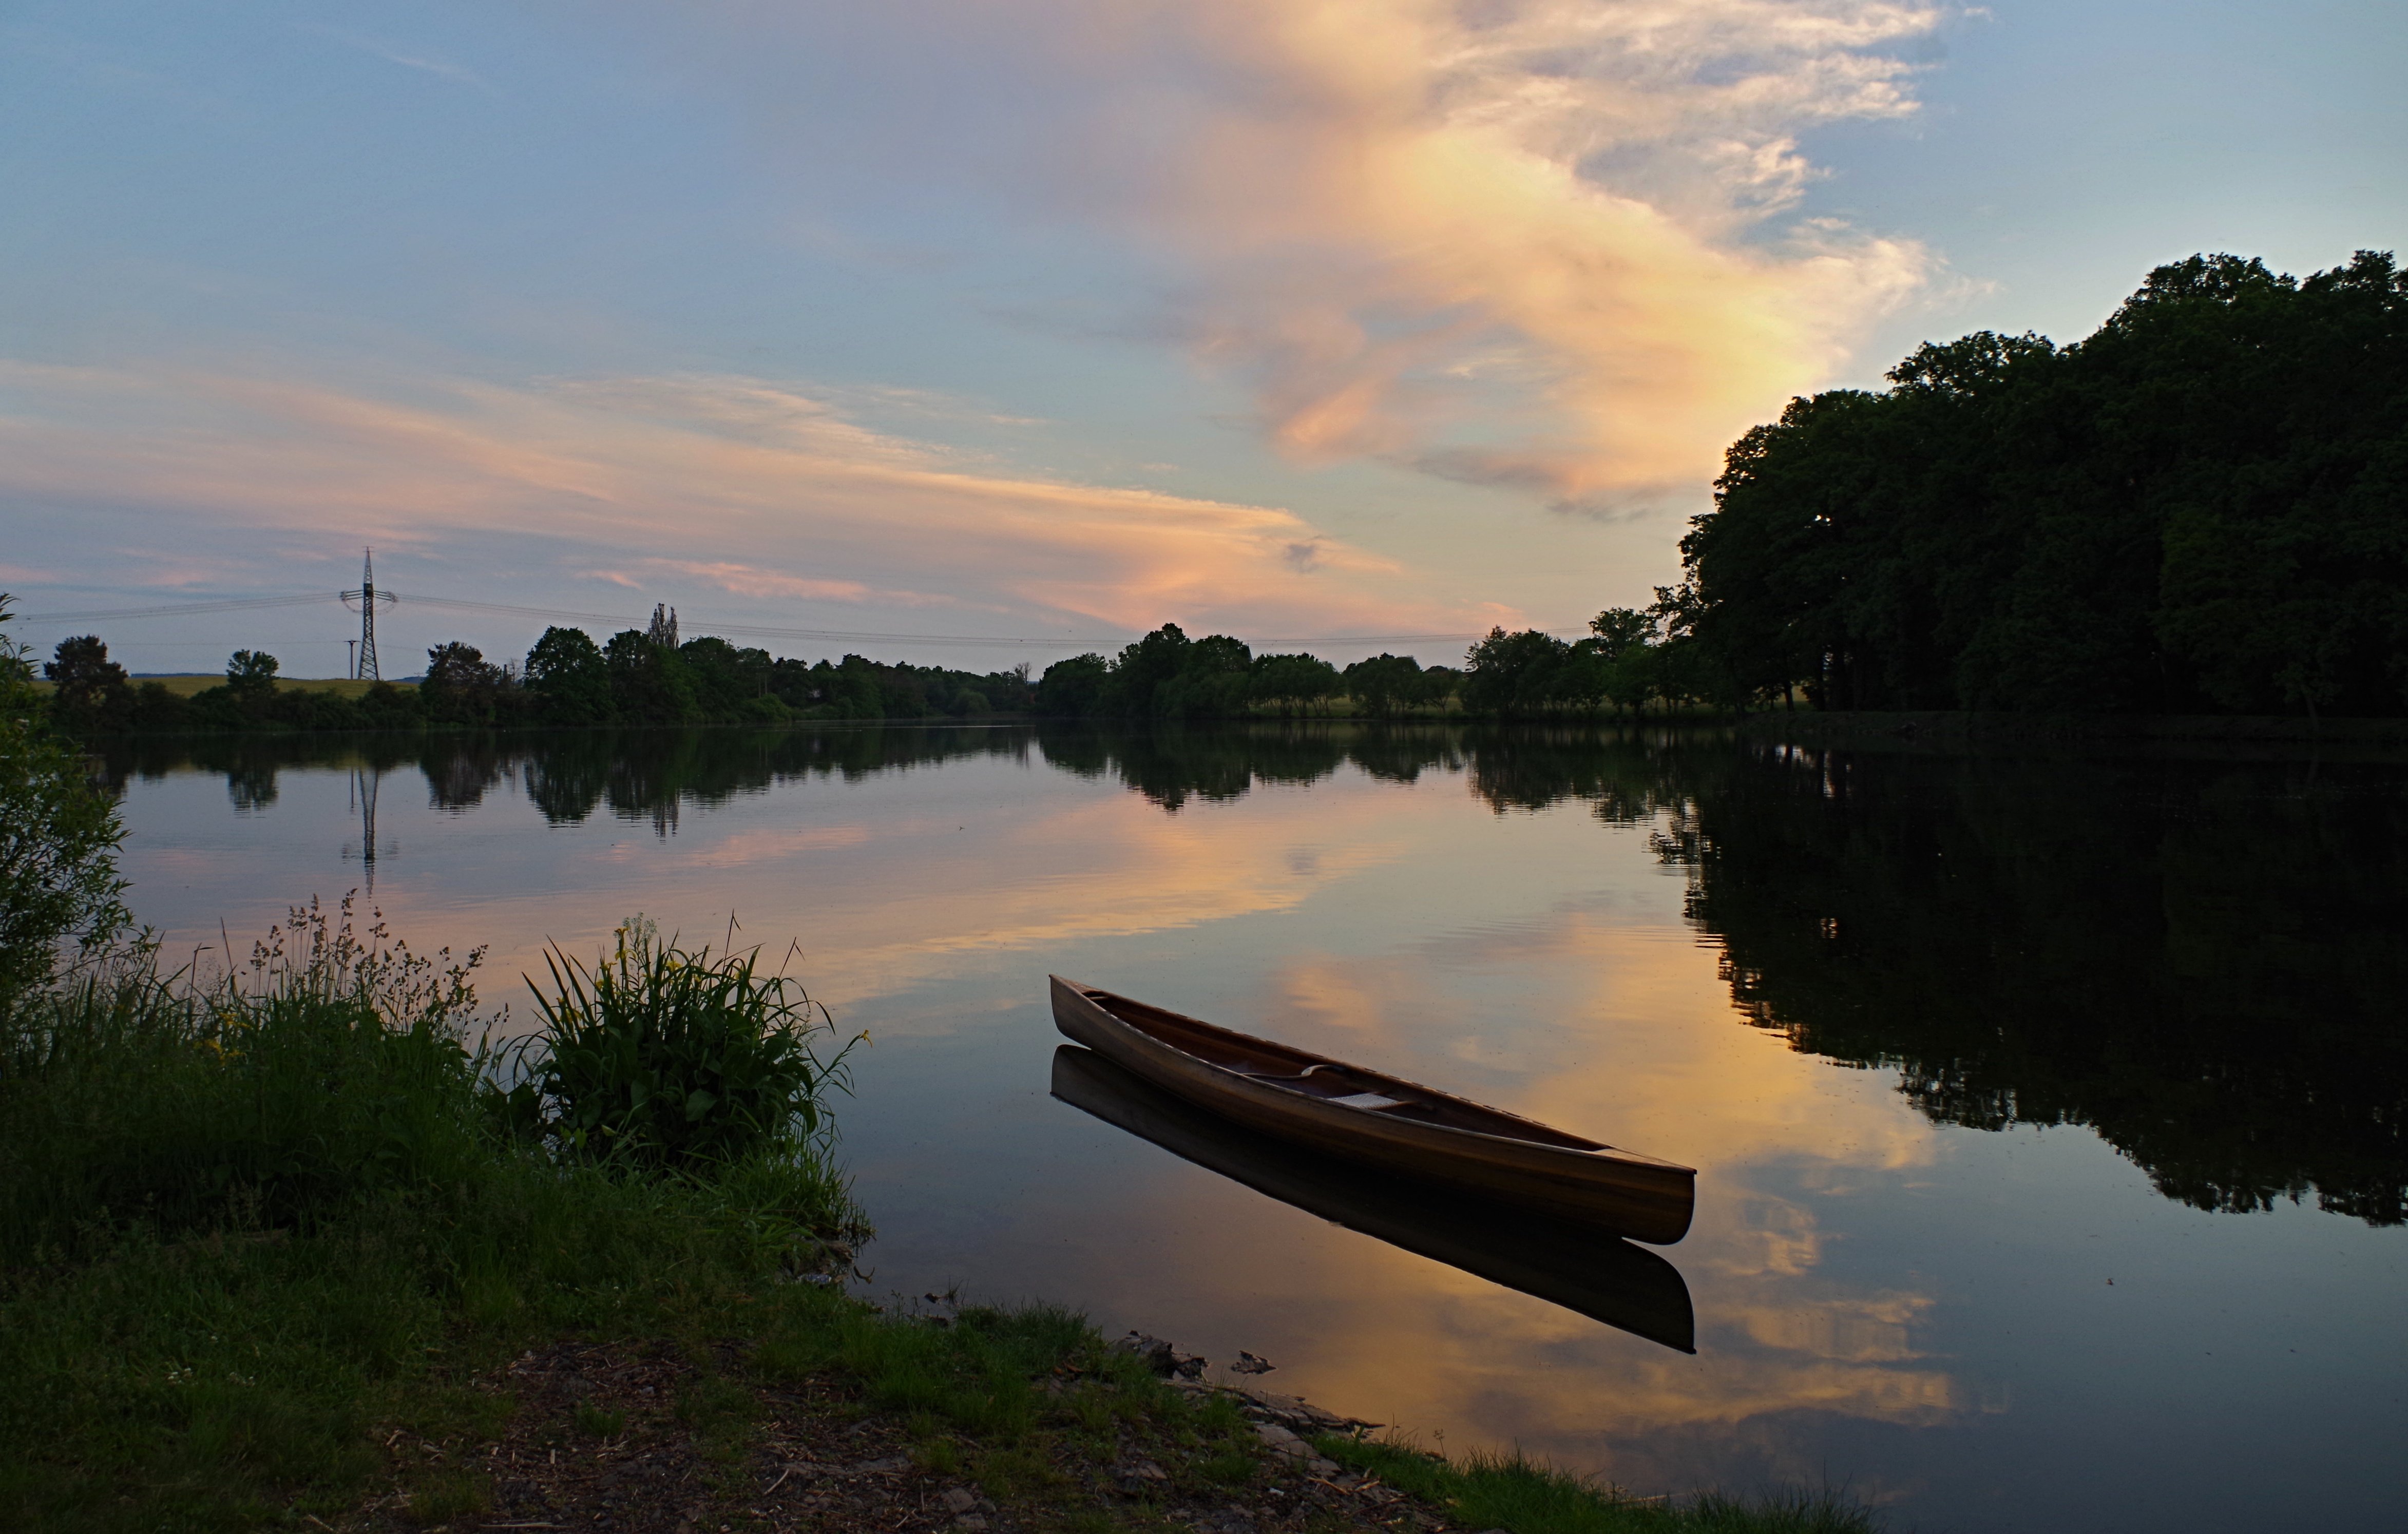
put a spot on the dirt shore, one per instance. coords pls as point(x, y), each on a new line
point(623, 1439)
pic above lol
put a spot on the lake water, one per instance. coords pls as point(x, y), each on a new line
point(2048, 1109)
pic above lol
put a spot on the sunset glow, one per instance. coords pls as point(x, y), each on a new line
point(1048, 322)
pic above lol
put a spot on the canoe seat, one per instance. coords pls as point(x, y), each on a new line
point(1371, 1100)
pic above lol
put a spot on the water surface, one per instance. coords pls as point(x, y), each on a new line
point(2048, 1109)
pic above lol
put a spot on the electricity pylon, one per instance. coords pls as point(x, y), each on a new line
point(365, 601)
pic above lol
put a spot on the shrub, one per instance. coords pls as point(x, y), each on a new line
point(58, 843)
point(667, 1056)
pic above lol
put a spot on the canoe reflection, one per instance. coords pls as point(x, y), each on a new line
point(1561, 1261)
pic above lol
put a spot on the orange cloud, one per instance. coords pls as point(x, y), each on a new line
point(1401, 191)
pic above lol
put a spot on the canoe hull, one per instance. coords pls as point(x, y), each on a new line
point(1574, 1264)
point(1634, 1196)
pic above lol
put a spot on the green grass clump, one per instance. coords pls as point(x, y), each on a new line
point(1521, 1496)
point(672, 1057)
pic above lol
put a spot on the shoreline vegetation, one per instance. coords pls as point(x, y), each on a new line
point(287, 1240)
point(650, 680)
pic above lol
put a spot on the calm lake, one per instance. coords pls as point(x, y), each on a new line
point(2048, 1108)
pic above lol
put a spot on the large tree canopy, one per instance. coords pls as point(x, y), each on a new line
point(2203, 507)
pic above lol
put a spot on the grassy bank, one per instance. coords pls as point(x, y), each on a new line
point(189, 684)
point(278, 1250)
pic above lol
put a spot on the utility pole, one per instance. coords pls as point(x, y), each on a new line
point(364, 667)
point(351, 659)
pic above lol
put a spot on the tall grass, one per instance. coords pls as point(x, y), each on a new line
point(665, 1056)
point(330, 1066)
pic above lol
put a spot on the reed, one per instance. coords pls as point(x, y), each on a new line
point(663, 1056)
point(329, 1067)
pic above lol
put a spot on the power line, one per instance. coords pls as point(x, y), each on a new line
point(177, 610)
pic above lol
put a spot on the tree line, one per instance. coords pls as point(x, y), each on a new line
point(1166, 675)
point(2200, 508)
point(639, 677)
point(647, 677)
point(1623, 662)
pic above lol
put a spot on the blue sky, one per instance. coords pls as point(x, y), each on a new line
point(1054, 319)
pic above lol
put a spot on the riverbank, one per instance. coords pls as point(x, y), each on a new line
point(276, 1252)
point(622, 1354)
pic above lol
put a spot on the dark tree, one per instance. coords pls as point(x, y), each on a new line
point(462, 687)
point(569, 677)
point(89, 692)
point(1074, 688)
point(649, 685)
point(1141, 667)
point(1620, 630)
point(250, 674)
point(2203, 507)
point(1385, 683)
point(1290, 682)
point(1521, 673)
point(730, 683)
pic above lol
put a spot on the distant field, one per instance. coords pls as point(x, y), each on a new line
point(192, 682)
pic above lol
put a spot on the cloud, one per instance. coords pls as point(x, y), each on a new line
point(753, 580)
point(1576, 186)
point(1548, 245)
point(423, 62)
point(628, 475)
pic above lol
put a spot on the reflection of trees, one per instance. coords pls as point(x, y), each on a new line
point(2202, 961)
point(648, 775)
point(251, 785)
point(1171, 764)
point(459, 777)
point(1627, 775)
point(638, 774)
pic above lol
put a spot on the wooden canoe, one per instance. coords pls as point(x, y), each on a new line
point(1380, 1120)
point(1570, 1263)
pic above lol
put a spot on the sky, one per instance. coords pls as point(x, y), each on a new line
point(974, 333)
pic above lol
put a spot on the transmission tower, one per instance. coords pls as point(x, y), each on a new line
point(366, 600)
point(364, 784)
